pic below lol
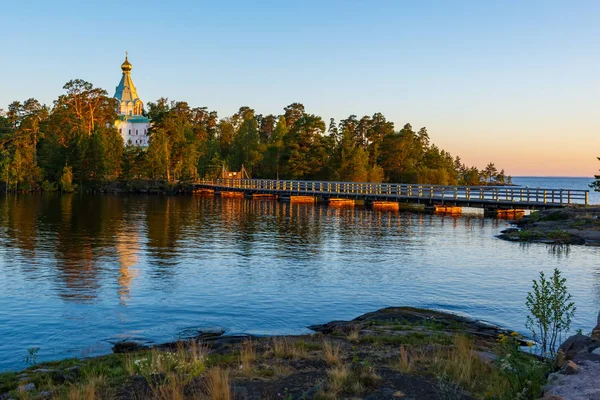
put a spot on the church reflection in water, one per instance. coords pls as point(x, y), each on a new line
point(128, 247)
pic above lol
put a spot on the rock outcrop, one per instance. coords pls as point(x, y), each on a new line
point(578, 377)
point(596, 331)
point(570, 225)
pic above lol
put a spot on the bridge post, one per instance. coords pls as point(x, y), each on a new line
point(386, 205)
point(337, 202)
point(490, 211)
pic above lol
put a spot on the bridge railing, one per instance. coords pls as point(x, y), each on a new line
point(469, 193)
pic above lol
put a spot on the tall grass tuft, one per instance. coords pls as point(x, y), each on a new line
point(404, 363)
point(89, 390)
point(331, 353)
point(217, 384)
point(288, 348)
point(338, 379)
point(247, 356)
point(354, 335)
point(172, 389)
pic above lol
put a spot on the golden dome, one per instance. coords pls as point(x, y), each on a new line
point(126, 66)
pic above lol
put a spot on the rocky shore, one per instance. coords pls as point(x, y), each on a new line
point(393, 353)
point(571, 225)
point(578, 369)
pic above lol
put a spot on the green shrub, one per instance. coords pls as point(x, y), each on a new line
point(560, 235)
point(66, 180)
point(48, 186)
point(551, 311)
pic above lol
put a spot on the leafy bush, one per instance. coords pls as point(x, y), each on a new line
point(560, 236)
point(551, 311)
point(66, 180)
point(48, 186)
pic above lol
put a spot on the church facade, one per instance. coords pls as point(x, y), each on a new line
point(132, 124)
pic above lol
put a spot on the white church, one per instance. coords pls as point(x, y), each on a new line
point(132, 125)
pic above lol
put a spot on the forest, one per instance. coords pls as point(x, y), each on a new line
point(73, 144)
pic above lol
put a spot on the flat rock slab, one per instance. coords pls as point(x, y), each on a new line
point(412, 316)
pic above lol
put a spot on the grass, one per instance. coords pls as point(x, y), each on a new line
point(528, 235)
point(173, 389)
point(216, 359)
point(289, 348)
point(167, 372)
point(91, 377)
point(339, 378)
point(247, 356)
point(452, 358)
point(348, 379)
point(310, 346)
point(560, 235)
point(217, 384)
point(462, 364)
point(411, 338)
point(404, 363)
point(354, 335)
point(89, 390)
point(555, 216)
point(273, 371)
point(331, 352)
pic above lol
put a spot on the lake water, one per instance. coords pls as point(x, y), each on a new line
point(80, 272)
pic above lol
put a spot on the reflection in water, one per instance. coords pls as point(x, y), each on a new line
point(559, 250)
point(77, 272)
point(127, 246)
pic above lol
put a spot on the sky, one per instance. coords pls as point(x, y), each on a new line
point(511, 82)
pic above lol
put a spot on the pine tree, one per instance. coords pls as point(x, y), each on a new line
point(596, 184)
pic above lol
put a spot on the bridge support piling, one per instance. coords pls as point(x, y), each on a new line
point(232, 195)
point(448, 209)
point(386, 205)
point(340, 202)
point(510, 214)
point(203, 191)
point(302, 199)
point(261, 196)
point(430, 208)
point(490, 212)
point(412, 207)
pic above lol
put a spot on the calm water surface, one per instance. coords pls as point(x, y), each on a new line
point(80, 272)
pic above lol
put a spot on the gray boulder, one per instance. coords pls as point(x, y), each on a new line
point(28, 387)
point(596, 331)
point(571, 347)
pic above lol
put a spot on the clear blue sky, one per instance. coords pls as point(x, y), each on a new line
point(514, 82)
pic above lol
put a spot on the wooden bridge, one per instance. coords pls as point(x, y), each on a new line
point(490, 198)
